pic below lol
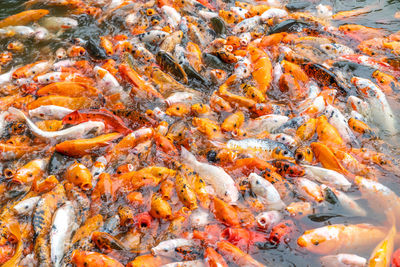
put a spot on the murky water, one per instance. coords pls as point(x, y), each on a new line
point(382, 15)
point(9, 7)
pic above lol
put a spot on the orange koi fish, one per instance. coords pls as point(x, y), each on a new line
point(24, 17)
point(81, 147)
point(262, 68)
point(71, 89)
point(92, 259)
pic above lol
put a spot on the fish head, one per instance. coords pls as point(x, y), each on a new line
point(357, 104)
point(72, 118)
point(324, 240)
point(256, 180)
point(322, 120)
point(281, 153)
point(364, 86)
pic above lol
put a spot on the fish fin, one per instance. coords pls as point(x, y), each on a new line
point(17, 112)
point(391, 218)
point(217, 144)
point(187, 156)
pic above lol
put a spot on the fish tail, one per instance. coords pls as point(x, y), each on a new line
point(217, 144)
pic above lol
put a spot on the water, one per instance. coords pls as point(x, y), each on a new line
point(10, 7)
point(382, 16)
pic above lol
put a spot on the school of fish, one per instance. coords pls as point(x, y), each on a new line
point(197, 133)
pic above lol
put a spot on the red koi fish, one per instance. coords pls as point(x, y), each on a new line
point(110, 120)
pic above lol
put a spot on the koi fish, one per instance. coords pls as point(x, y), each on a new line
point(49, 112)
point(339, 238)
point(343, 260)
point(381, 111)
point(70, 133)
point(58, 23)
point(91, 259)
point(329, 177)
point(61, 231)
point(382, 253)
point(168, 247)
point(108, 118)
point(222, 183)
point(72, 89)
point(337, 119)
point(25, 207)
point(380, 197)
point(266, 191)
point(24, 17)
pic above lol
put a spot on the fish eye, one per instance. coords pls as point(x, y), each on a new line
point(150, 12)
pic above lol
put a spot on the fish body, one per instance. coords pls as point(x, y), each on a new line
point(70, 133)
point(269, 123)
point(61, 231)
point(329, 177)
point(347, 203)
point(247, 24)
point(168, 247)
point(343, 260)
point(266, 192)
point(382, 253)
point(379, 196)
point(339, 238)
point(59, 23)
point(381, 112)
point(24, 17)
point(103, 115)
point(337, 119)
point(49, 112)
point(222, 182)
point(253, 144)
point(90, 259)
point(26, 206)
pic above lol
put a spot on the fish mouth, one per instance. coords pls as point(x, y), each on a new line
point(302, 242)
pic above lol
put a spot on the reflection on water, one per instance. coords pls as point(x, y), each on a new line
point(9, 7)
point(382, 15)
